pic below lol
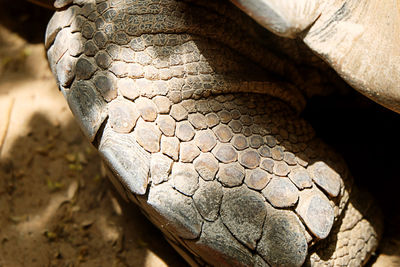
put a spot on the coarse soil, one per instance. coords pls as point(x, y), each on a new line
point(57, 208)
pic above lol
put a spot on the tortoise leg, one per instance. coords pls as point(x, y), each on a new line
point(207, 142)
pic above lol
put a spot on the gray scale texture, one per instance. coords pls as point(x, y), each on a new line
point(199, 134)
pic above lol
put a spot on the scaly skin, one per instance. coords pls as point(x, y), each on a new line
point(184, 104)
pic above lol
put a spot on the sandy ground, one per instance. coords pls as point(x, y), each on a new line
point(56, 206)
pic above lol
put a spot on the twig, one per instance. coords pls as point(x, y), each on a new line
point(43, 3)
point(6, 123)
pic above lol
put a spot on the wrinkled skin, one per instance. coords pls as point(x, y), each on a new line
point(195, 109)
